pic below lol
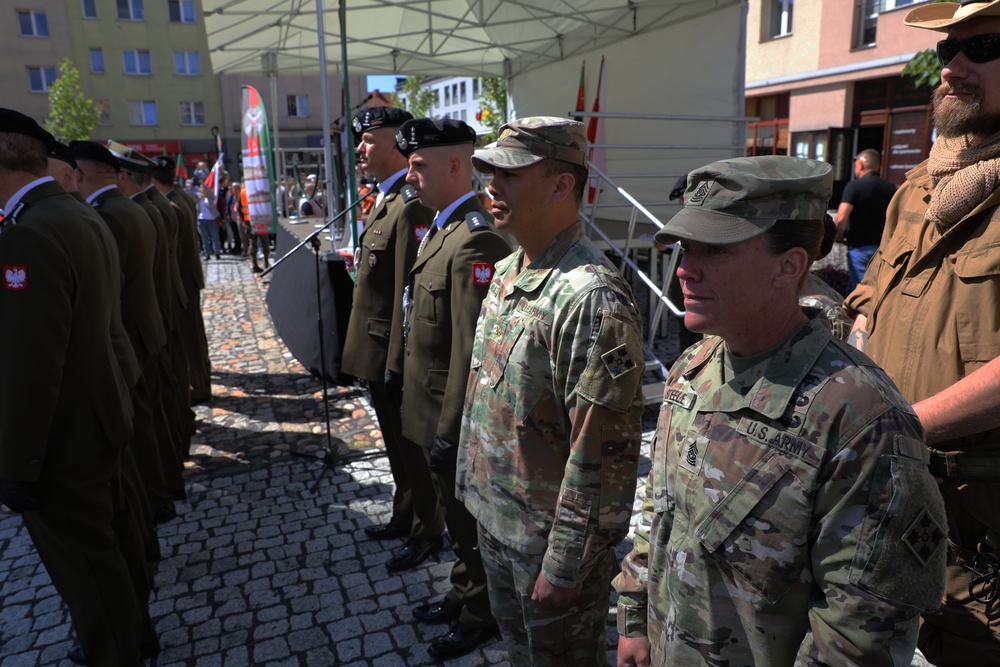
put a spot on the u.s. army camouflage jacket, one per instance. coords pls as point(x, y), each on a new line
point(550, 433)
point(793, 498)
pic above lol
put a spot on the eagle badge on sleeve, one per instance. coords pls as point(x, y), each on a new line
point(482, 273)
point(15, 277)
point(420, 231)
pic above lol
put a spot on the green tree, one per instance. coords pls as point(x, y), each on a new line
point(494, 105)
point(418, 100)
point(924, 68)
point(72, 115)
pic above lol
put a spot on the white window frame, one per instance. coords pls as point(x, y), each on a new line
point(185, 16)
point(93, 4)
point(140, 109)
point(136, 11)
point(784, 10)
point(100, 54)
point(192, 113)
point(301, 103)
point(103, 113)
point(189, 58)
point(36, 27)
point(46, 76)
point(889, 5)
point(137, 60)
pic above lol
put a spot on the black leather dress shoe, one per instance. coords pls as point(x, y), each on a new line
point(444, 611)
point(146, 651)
point(413, 553)
point(388, 531)
point(164, 514)
point(461, 640)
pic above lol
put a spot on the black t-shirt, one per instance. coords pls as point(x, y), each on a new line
point(870, 196)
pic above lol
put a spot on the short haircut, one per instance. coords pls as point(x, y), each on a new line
point(872, 159)
point(163, 175)
point(138, 180)
point(551, 167)
point(22, 153)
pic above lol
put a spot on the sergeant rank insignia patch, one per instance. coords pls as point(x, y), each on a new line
point(15, 277)
point(618, 361)
point(923, 537)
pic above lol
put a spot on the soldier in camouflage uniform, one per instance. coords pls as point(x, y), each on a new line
point(789, 517)
point(549, 447)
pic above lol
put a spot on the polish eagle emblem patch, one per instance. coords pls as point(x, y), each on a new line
point(420, 231)
point(15, 277)
point(482, 273)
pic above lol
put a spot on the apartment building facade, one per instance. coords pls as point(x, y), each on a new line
point(825, 79)
point(457, 98)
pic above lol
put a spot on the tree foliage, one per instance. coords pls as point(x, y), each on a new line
point(924, 68)
point(72, 115)
point(418, 100)
point(494, 104)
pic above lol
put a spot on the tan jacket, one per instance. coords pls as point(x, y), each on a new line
point(933, 300)
point(388, 247)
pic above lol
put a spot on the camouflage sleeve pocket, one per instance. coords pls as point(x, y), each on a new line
point(904, 530)
point(614, 368)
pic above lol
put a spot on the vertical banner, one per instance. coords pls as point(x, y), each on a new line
point(258, 181)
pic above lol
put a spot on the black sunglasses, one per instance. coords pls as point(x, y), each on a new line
point(979, 49)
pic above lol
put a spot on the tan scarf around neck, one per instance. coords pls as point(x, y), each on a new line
point(964, 176)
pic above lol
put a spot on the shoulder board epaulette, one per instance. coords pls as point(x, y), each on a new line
point(408, 192)
point(476, 221)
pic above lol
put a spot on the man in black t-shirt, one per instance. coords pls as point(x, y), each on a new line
point(861, 214)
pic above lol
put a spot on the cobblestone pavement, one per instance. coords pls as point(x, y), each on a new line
point(267, 564)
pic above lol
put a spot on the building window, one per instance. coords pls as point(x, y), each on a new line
point(475, 89)
point(780, 18)
point(447, 96)
point(298, 106)
point(192, 113)
point(103, 113)
point(454, 93)
point(33, 24)
point(894, 4)
point(181, 11)
point(40, 79)
point(462, 88)
point(90, 9)
point(865, 23)
point(769, 135)
point(97, 61)
point(142, 112)
point(131, 10)
point(137, 62)
point(187, 63)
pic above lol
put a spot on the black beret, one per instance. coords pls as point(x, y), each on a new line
point(425, 133)
point(93, 151)
point(61, 152)
point(679, 187)
point(371, 118)
point(164, 162)
point(17, 122)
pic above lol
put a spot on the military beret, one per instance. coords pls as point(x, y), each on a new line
point(525, 141)
point(129, 159)
point(426, 133)
point(164, 162)
point(18, 123)
point(731, 201)
point(61, 152)
point(371, 118)
point(93, 151)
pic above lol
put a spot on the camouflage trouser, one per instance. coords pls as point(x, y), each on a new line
point(537, 637)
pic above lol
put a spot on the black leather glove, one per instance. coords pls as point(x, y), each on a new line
point(18, 496)
point(443, 456)
point(394, 387)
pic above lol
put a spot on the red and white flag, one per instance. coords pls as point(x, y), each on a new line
point(595, 135)
point(212, 180)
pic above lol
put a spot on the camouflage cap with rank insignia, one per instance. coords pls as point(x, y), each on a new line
point(525, 141)
point(734, 200)
point(426, 133)
point(372, 118)
point(129, 159)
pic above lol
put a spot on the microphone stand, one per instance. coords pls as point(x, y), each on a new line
point(331, 455)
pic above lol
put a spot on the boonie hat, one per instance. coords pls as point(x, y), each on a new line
point(942, 15)
point(734, 200)
point(371, 118)
point(426, 133)
point(18, 123)
point(525, 141)
point(93, 151)
point(128, 158)
point(61, 152)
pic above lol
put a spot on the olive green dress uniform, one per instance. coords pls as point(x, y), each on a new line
point(387, 248)
point(448, 282)
point(65, 413)
point(192, 325)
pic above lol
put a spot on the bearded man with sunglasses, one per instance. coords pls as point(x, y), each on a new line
point(928, 311)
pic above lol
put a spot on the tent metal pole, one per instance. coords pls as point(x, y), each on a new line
point(327, 146)
point(352, 187)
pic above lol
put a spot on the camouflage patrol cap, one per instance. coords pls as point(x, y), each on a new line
point(525, 141)
point(734, 200)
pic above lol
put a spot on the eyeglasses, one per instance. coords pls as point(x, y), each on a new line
point(979, 49)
